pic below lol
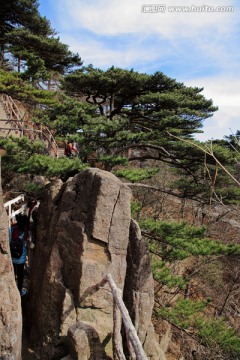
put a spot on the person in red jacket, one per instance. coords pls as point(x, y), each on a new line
point(69, 148)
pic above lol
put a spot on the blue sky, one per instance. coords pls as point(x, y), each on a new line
point(195, 42)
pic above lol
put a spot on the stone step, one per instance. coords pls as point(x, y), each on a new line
point(61, 152)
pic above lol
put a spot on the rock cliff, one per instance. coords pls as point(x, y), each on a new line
point(10, 302)
point(84, 231)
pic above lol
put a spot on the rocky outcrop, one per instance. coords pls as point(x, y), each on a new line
point(139, 292)
point(84, 343)
point(83, 234)
point(10, 302)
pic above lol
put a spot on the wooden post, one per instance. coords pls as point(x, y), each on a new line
point(117, 338)
point(130, 329)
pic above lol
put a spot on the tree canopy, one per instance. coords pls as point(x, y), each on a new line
point(29, 38)
point(146, 117)
point(138, 110)
point(150, 102)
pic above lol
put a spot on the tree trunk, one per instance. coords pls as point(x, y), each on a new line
point(19, 64)
point(1, 56)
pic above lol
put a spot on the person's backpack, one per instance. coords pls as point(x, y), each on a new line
point(16, 244)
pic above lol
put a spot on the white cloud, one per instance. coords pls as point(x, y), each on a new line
point(137, 54)
point(111, 17)
point(203, 40)
point(225, 93)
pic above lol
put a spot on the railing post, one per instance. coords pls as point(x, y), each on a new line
point(117, 339)
point(135, 349)
point(130, 329)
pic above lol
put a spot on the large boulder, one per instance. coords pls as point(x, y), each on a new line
point(10, 301)
point(82, 234)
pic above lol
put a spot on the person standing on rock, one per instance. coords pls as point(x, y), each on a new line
point(18, 236)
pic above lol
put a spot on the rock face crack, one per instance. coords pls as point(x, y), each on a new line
point(113, 211)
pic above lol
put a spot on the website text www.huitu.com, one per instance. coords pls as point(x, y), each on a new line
point(162, 8)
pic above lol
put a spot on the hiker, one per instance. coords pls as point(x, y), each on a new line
point(18, 236)
point(69, 148)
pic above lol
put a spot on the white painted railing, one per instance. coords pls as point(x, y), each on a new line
point(12, 213)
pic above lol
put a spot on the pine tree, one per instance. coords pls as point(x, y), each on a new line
point(29, 38)
point(138, 111)
point(156, 117)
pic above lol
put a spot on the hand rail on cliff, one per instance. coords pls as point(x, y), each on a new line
point(50, 138)
point(134, 344)
point(9, 204)
point(14, 115)
point(119, 309)
point(11, 108)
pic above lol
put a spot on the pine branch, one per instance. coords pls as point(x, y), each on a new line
point(208, 152)
point(169, 192)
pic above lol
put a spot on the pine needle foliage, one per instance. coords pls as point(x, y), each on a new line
point(169, 243)
point(136, 207)
point(12, 84)
point(217, 333)
point(178, 240)
point(184, 312)
point(112, 161)
point(52, 167)
point(162, 273)
point(26, 157)
point(214, 333)
point(136, 175)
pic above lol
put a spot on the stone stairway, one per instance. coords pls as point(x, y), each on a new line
point(60, 152)
point(12, 123)
point(5, 125)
